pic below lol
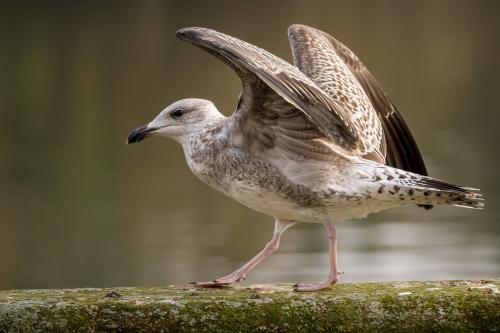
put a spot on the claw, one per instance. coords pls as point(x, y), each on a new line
point(303, 287)
point(211, 284)
point(221, 282)
point(315, 286)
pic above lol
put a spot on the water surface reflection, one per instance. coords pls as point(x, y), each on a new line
point(79, 208)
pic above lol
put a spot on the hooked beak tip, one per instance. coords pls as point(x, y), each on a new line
point(139, 134)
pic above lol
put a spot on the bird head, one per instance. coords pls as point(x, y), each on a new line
point(178, 120)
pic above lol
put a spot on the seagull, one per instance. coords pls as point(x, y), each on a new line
point(318, 141)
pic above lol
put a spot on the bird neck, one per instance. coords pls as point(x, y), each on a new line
point(202, 134)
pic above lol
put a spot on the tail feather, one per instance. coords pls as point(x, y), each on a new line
point(442, 192)
point(425, 191)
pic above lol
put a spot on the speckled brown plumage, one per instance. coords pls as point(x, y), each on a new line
point(319, 142)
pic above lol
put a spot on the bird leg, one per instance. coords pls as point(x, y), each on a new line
point(240, 274)
point(334, 274)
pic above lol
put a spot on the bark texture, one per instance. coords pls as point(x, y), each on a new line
point(444, 306)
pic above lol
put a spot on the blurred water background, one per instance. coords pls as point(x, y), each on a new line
point(79, 208)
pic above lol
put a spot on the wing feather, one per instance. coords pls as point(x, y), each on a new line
point(398, 144)
point(324, 59)
point(255, 66)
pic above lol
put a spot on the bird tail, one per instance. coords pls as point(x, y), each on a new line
point(434, 191)
point(407, 187)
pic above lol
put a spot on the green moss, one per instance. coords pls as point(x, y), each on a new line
point(449, 306)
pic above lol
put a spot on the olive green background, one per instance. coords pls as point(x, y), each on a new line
point(80, 208)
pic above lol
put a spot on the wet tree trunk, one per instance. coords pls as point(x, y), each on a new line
point(447, 306)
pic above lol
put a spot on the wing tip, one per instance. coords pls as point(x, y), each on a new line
point(293, 28)
point(190, 33)
point(184, 33)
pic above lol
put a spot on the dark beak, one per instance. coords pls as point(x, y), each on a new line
point(140, 133)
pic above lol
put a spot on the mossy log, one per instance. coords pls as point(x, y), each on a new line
point(446, 306)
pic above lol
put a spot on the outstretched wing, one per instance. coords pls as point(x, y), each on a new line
point(334, 67)
point(279, 105)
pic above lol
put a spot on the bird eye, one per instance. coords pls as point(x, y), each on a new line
point(177, 113)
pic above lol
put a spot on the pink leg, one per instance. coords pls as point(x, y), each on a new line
point(333, 276)
point(240, 274)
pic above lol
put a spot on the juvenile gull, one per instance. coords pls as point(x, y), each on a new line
point(316, 142)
